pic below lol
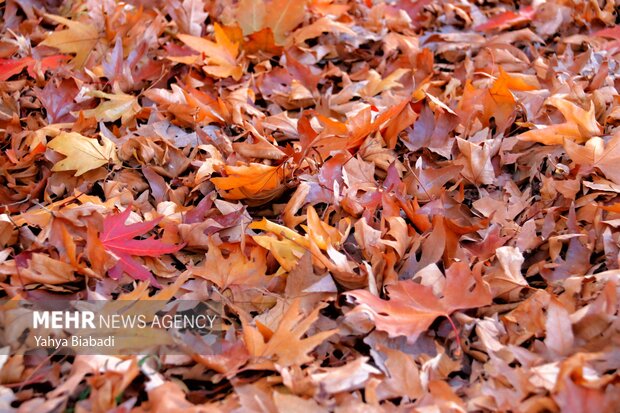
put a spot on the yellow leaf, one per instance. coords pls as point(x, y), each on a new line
point(321, 233)
point(220, 57)
point(82, 154)
point(118, 106)
point(284, 16)
point(279, 230)
point(286, 251)
point(78, 38)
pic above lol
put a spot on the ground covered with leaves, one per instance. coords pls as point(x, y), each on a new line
point(399, 205)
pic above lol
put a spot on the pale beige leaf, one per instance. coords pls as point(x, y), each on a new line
point(560, 338)
point(250, 15)
point(351, 376)
point(116, 106)
point(596, 154)
point(82, 153)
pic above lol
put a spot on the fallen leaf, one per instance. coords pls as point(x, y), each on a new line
point(351, 376)
point(79, 38)
point(559, 338)
point(476, 161)
point(219, 57)
point(250, 15)
point(248, 181)
point(323, 25)
point(10, 67)
point(118, 239)
point(509, 277)
point(412, 307)
point(283, 17)
point(117, 105)
point(82, 153)
point(235, 271)
point(507, 19)
point(287, 248)
point(286, 347)
point(580, 125)
point(190, 16)
point(596, 154)
point(45, 270)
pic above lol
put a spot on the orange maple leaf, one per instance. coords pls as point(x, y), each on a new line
point(249, 181)
point(219, 57)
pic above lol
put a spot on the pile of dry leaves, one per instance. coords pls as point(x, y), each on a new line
point(401, 205)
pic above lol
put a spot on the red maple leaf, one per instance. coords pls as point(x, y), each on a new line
point(117, 238)
point(507, 19)
point(10, 67)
